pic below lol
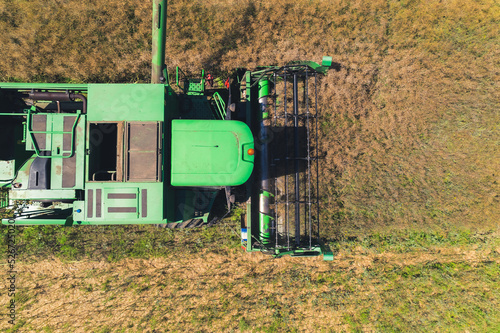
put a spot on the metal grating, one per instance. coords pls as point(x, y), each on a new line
point(144, 151)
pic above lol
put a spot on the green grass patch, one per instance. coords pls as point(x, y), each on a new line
point(117, 242)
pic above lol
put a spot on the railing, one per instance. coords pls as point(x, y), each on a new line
point(220, 106)
point(59, 153)
point(177, 76)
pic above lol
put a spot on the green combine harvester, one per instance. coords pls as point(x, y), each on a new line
point(177, 155)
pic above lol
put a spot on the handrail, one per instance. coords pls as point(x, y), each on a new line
point(220, 105)
point(12, 114)
point(35, 146)
point(177, 70)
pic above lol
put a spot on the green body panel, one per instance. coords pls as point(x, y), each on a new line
point(7, 170)
point(210, 153)
point(131, 102)
point(38, 222)
point(51, 195)
point(120, 203)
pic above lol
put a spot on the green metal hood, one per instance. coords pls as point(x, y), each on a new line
point(211, 153)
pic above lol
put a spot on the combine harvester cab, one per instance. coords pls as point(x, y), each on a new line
point(106, 154)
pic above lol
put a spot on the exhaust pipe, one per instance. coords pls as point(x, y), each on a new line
point(58, 96)
point(159, 40)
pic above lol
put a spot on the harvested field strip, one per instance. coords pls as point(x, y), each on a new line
point(423, 281)
point(439, 289)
